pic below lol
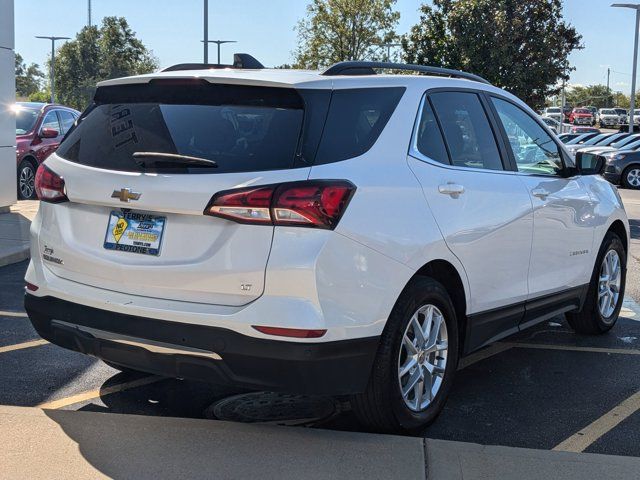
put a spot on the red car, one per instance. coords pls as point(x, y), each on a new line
point(39, 130)
point(581, 116)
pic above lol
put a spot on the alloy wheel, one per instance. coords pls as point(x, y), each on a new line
point(609, 284)
point(633, 177)
point(422, 359)
point(26, 182)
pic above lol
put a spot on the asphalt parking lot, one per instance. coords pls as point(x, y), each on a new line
point(544, 388)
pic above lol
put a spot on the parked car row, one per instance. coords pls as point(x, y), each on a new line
point(591, 116)
point(40, 128)
point(619, 151)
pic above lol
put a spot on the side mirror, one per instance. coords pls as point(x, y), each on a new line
point(590, 164)
point(49, 133)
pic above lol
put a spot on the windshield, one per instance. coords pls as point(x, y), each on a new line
point(613, 138)
point(553, 110)
point(625, 141)
point(25, 119)
point(581, 110)
point(580, 138)
point(608, 112)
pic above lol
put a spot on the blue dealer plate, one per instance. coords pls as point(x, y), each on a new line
point(134, 232)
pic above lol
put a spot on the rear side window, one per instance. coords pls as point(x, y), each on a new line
point(241, 128)
point(467, 131)
point(355, 120)
point(428, 138)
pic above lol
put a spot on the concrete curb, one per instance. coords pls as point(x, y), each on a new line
point(39, 444)
point(18, 253)
point(470, 461)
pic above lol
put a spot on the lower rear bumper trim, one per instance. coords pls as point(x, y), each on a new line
point(206, 353)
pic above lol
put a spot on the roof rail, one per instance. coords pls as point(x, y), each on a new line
point(240, 61)
point(367, 68)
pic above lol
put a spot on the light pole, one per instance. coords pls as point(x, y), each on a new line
point(218, 42)
point(53, 61)
point(206, 31)
point(388, 46)
point(635, 7)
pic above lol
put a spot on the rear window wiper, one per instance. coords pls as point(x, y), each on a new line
point(146, 159)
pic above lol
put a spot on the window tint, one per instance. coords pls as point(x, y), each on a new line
point(533, 148)
point(66, 120)
point(428, 138)
point(240, 128)
point(355, 120)
point(51, 121)
point(466, 130)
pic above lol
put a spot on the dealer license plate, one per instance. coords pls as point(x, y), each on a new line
point(134, 232)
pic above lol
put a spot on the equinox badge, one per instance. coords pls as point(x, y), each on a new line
point(125, 194)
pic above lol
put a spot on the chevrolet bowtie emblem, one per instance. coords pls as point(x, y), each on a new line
point(125, 194)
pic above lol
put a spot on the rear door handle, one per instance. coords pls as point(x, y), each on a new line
point(452, 189)
point(540, 193)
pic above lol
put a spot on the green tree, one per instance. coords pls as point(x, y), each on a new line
point(593, 95)
point(28, 78)
point(98, 54)
point(520, 46)
point(337, 30)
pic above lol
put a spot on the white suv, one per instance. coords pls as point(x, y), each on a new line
point(337, 233)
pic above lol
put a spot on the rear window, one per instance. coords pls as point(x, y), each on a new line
point(240, 128)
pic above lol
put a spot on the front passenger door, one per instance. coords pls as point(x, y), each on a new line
point(563, 212)
point(482, 210)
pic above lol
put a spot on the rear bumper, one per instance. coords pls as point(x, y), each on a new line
point(200, 352)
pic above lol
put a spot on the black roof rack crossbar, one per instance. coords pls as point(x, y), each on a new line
point(367, 68)
point(240, 61)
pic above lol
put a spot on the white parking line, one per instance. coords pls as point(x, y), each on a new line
point(6, 313)
point(580, 441)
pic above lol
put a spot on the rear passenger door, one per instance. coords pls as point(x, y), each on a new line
point(564, 213)
point(483, 210)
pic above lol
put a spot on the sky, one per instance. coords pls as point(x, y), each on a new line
point(172, 29)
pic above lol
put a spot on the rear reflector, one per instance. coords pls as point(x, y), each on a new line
point(312, 203)
point(30, 286)
point(290, 332)
point(49, 185)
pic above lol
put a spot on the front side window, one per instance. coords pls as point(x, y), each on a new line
point(66, 119)
point(51, 121)
point(467, 131)
point(534, 150)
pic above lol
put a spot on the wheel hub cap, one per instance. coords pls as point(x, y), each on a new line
point(609, 284)
point(633, 177)
point(27, 181)
point(423, 357)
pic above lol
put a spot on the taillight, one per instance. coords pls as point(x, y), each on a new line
point(313, 203)
point(49, 185)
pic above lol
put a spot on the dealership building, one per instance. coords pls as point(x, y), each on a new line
point(7, 98)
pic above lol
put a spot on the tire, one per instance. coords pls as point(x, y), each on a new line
point(631, 177)
point(26, 180)
point(591, 319)
point(382, 407)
